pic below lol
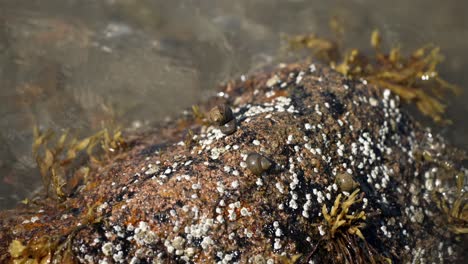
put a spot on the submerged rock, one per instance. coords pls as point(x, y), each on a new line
point(173, 200)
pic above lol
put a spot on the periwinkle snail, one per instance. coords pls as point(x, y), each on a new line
point(257, 163)
point(229, 128)
point(346, 182)
point(222, 116)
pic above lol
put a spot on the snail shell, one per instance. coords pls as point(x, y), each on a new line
point(346, 182)
point(229, 128)
point(257, 163)
point(220, 114)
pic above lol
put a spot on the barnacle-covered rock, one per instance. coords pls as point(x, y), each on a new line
point(202, 204)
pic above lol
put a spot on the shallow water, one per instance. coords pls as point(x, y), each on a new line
point(74, 64)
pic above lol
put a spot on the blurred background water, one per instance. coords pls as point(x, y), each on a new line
point(74, 64)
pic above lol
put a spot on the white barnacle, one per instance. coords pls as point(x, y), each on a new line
point(277, 244)
point(107, 248)
point(245, 212)
point(235, 184)
point(321, 230)
point(280, 187)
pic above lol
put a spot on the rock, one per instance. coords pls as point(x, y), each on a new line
point(167, 201)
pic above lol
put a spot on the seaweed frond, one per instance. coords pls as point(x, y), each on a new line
point(414, 78)
point(342, 238)
point(456, 213)
point(321, 48)
point(52, 249)
point(37, 250)
point(189, 140)
point(290, 259)
point(338, 219)
point(199, 116)
point(62, 160)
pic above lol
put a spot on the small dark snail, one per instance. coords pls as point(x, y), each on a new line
point(229, 128)
point(346, 182)
point(220, 114)
point(258, 164)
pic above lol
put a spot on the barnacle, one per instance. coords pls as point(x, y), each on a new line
point(414, 77)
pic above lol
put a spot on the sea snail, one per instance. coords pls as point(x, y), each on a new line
point(257, 163)
point(346, 182)
point(222, 116)
point(229, 128)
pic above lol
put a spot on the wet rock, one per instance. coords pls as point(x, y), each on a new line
point(203, 205)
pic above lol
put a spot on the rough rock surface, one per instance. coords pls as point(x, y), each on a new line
point(173, 200)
